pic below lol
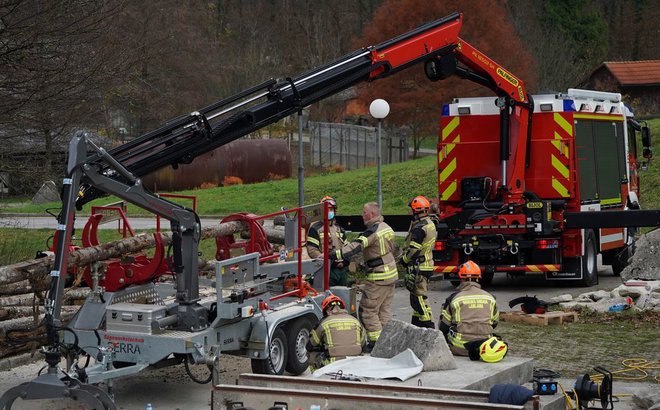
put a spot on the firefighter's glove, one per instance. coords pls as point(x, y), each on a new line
point(404, 263)
point(410, 282)
point(338, 264)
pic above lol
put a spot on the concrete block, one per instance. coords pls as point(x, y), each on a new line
point(562, 298)
point(600, 294)
point(647, 399)
point(47, 193)
point(429, 345)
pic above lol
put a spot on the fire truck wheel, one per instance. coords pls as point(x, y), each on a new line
point(486, 278)
point(298, 336)
point(589, 260)
point(622, 261)
point(275, 363)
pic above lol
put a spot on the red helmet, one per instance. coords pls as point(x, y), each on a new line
point(420, 204)
point(330, 200)
point(469, 270)
point(331, 301)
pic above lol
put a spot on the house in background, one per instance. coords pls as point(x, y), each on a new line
point(637, 81)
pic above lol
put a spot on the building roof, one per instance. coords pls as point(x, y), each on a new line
point(629, 73)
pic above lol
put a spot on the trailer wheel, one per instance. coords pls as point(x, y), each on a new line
point(275, 363)
point(298, 336)
point(589, 260)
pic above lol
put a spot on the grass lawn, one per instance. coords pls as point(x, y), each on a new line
point(597, 339)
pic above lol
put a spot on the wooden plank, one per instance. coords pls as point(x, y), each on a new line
point(545, 319)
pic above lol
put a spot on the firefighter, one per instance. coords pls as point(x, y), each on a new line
point(376, 244)
point(337, 239)
point(418, 260)
point(469, 314)
point(337, 336)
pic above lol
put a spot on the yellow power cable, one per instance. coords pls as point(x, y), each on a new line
point(641, 366)
point(635, 364)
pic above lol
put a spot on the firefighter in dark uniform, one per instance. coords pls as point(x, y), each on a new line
point(376, 244)
point(418, 260)
point(337, 336)
point(337, 239)
point(469, 314)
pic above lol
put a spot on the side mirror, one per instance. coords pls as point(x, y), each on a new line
point(646, 138)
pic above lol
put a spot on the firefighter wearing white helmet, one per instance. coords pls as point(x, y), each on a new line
point(418, 260)
point(470, 314)
point(337, 336)
point(336, 239)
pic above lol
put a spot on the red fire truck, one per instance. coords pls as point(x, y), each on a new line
point(548, 199)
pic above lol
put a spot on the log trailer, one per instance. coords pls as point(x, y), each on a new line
point(148, 325)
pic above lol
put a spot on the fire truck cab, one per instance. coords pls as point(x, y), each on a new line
point(581, 155)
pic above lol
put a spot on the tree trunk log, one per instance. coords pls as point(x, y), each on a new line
point(14, 312)
point(70, 295)
point(40, 267)
point(274, 235)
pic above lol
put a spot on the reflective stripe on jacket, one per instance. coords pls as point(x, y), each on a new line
point(420, 243)
point(339, 334)
point(315, 236)
point(376, 244)
point(469, 314)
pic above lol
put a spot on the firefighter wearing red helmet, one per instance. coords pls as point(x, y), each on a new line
point(418, 260)
point(337, 239)
point(469, 314)
point(337, 336)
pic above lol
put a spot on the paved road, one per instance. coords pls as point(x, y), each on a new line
point(42, 222)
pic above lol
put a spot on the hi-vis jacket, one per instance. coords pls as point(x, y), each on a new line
point(376, 245)
point(339, 334)
point(315, 239)
point(469, 314)
point(420, 243)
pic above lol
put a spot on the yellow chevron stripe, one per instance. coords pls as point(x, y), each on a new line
point(452, 145)
point(558, 143)
point(448, 269)
point(563, 123)
point(451, 167)
point(602, 117)
point(559, 166)
point(561, 189)
point(449, 191)
point(533, 268)
point(552, 268)
point(451, 126)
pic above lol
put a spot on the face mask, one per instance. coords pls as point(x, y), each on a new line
point(331, 214)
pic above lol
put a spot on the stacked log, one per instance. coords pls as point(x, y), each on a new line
point(22, 285)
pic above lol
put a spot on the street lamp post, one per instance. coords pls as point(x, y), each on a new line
point(379, 109)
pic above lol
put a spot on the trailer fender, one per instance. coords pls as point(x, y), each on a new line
point(266, 323)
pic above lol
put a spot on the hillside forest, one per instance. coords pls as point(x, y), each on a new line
point(121, 68)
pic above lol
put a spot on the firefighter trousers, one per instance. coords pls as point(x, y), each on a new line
point(376, 308)
point(421, 315)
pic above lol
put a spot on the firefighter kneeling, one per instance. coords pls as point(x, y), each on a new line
point(337, 336)
point(469, 317)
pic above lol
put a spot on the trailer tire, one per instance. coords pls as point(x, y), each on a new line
point(589, 260)
point(275, 363)
point(298, 336)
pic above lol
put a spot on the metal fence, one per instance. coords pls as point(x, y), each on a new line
point(353, 146)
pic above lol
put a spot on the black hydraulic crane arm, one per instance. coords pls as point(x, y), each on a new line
point(183, 139)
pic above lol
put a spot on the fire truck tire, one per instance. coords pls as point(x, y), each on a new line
point(622, 261)
point(486, 278)
point(589, 260)
point(298, 336)
point(275, 363)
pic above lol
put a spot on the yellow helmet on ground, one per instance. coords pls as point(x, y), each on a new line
point(493, 350)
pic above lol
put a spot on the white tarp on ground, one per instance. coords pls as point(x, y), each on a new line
point(402, 366)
